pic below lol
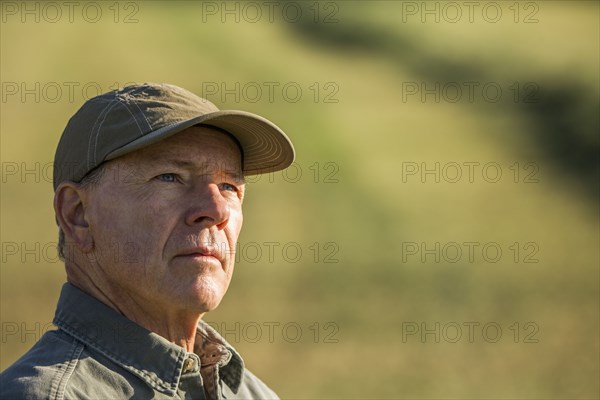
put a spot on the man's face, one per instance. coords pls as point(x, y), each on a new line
point(165, 221)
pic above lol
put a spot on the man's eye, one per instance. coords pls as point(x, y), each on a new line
point(167, 177)
point(229, 187)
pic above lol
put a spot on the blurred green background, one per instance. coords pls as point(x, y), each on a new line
point(371, 308)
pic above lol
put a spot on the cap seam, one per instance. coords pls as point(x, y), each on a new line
point(126, 103)
point(97, 124)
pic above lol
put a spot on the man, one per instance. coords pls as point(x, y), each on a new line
point(149, 185)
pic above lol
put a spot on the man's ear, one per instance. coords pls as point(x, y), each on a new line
point(69, 200)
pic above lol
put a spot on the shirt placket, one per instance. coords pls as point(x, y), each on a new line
point(191, 385)
point(214, 355)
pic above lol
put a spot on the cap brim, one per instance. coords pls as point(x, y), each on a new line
point(266, 147)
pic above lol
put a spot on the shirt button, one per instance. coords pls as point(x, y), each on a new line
point(189, 365)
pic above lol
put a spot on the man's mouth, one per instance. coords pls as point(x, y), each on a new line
point(200, 254)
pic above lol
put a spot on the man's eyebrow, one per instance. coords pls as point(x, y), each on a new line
point(174, 162)
point(204, 168)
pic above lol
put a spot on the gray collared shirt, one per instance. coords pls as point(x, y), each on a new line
point(99, 354)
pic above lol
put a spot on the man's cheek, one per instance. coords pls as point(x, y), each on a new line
point(234, 225)
point(111, 231)
point(113, 247)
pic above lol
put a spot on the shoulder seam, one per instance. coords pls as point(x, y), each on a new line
point(59, 384)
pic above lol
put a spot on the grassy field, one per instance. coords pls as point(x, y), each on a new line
point(360, 273)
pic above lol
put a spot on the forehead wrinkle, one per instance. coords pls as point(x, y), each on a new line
point(171, 160)
point(175, 162)
point(180, 152)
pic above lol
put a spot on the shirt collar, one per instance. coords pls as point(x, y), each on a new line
point(147, 355)
point(231, 365)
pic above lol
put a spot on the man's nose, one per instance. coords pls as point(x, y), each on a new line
point(208, 207)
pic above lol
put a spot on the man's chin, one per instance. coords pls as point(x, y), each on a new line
point(208, 295)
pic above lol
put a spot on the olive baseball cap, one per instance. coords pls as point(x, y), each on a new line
point(121, 121)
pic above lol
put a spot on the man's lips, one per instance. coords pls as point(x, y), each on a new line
point(200, 253)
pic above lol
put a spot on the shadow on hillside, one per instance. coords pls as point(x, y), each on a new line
point(563, 117)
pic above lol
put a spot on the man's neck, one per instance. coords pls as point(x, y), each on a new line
point(178, 327)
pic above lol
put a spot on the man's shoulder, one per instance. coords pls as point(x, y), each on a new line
point(33, 375)
point(253, 388)
point(60, 366)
